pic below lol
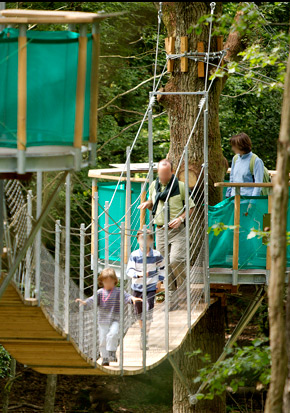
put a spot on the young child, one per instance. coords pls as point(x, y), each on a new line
point(155, 274)
point(108, 302)
point(246, 166)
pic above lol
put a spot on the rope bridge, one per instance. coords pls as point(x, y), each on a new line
point(58, 293)
point(55, 335)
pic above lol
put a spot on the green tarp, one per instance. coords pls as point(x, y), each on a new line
point(52, 59)
point(252, 252)
point(116, 213)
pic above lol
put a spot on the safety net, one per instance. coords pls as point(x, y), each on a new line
point(253, 216)
point(52, 59)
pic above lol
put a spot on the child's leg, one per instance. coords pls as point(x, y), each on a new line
point(138, 307)
point(103, 331)
point(112, 337)
point(150, 306)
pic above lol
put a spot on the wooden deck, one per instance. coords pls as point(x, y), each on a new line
point(29, 335)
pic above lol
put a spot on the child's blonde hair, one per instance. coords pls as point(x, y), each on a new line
point(108, 273)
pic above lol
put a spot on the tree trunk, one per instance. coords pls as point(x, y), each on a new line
point(50, 391)
point(208, 335)
point(183, 110)
point(278, 262)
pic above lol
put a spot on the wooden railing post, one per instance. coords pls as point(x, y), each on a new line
point(236, 236)
point(21, 99)
point(94, 191)
point(268, 257)
point(80, 95)
point(142, 211)
point(94, 92)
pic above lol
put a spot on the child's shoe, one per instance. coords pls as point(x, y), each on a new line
point(113, 357)
point(105, 362)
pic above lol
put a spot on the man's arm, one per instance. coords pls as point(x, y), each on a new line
point(149, 203)
point(146, 205)
point(175, 223)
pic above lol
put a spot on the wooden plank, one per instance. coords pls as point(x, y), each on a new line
point(25, 16)
point(80, 92)
point(94, 88)
point(72, 370)
point(93, 174)
point(170, 49)
point(245, 184)
point(200, 65)
point(183, 49)
point(236, 232)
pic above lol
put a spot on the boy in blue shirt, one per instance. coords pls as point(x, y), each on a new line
point(154, 276)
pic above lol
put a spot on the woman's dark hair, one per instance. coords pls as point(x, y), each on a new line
point(242, 142)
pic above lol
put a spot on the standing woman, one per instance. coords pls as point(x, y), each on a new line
point(246, 166)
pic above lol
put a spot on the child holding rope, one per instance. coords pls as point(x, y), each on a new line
point(108, 302)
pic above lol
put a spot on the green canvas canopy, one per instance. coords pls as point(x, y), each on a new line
point(52, 59)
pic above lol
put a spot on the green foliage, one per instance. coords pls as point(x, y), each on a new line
point(266, 235)
point(248, 365)
point(4, 363)
point(219, 227)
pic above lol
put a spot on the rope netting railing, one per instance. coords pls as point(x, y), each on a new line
point(81, 323)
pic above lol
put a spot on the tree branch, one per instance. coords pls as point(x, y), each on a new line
point(125, 129)
point(128, 91)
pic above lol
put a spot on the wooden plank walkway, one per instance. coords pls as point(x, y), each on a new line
point(30, 336)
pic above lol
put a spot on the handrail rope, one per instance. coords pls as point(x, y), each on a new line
point(212, 7)
point(157, 42)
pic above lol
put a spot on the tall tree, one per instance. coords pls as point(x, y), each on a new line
point(179, 18)
point(274, 402)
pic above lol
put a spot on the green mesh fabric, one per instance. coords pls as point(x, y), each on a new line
point(52, 59)
point(252, 252)
point(117, 212)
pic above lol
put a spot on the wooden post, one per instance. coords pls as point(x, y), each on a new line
point(80, 93)
point(200, 65)
point(268, 259)
point(21, 98)
point(94, 91)
point(220, 45)
point(236, 230)
point(142, 211)
point(170, 49)
point(183, 49)
point(94, 190)
point(127, 241)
